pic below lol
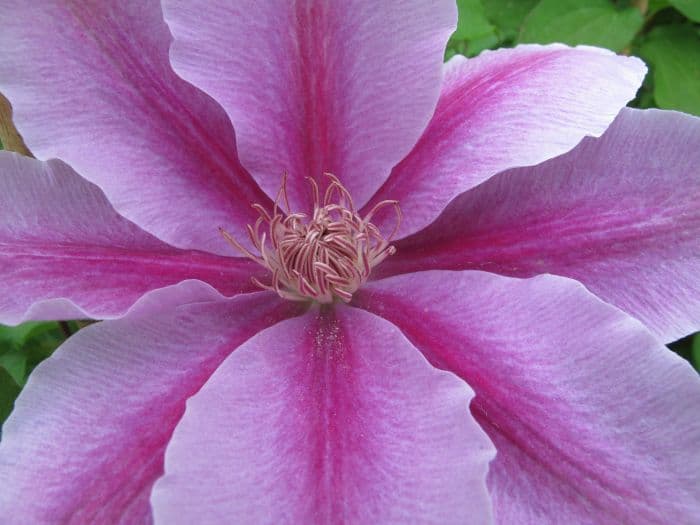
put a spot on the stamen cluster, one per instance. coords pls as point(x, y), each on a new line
point(329, 255)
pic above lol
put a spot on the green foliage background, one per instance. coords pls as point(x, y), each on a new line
point(665, 33)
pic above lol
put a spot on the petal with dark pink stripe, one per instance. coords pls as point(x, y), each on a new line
point(90, 83)
point(619, 213)
point(314, 86)
point(505, 109)
point(327, 418)
point(594, 420)
point(65, 253)
point(85, 442)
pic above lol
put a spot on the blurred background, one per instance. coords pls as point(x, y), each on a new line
point(664, 33)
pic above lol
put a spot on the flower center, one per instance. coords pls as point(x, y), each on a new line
point(328, 255)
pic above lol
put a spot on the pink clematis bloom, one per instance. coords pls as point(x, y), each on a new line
point(500, 360)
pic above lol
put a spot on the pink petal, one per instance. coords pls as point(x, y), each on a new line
point(504, 109)
point(315, 86)
point(90, 83)
point(65, 253)
point(619, 214)
point(328, 418)
point(594, 420)
point(87, 437)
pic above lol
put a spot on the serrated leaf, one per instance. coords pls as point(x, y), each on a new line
point(574, 22)
point(508, 15)
point(690, 8)
point(674, 54)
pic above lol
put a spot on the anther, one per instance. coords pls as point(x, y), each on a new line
point(321, 258)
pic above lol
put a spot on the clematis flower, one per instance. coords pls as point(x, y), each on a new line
point(492, 353)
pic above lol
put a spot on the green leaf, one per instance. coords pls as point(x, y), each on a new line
point(450, 51)
point(645, 98)
point(674, 54)
point(657, 5)
point(508, 15)
point(14, 336)
point(41, 342)
point(9, 390)
point(695, 352)
point(15, 364)
point(24, 346)
point(477, 45)
point(472, 21)
point(474, 32)
point(690, 8)
point(573, 22)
